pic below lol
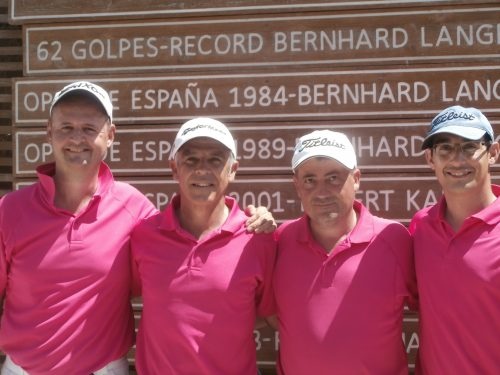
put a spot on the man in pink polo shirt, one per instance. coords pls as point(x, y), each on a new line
point(204, 278)
point(64, 250)
point(342, 276)
point(457, 249)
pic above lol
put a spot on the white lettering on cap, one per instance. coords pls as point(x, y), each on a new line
point(452, 115)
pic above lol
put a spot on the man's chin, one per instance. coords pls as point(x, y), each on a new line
point(328, 216)
point(332, 215)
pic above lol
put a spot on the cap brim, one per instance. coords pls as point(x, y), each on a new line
point(465, 132)
point(209, 135)
point(348, 165)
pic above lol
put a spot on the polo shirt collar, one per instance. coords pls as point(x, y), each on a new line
point(46, 172)
point(105, 180)
point(363, 231)
point(170, 222)
point(490, 214)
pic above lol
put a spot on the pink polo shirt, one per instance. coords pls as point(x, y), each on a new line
point(341, 313)
point(66, 277)
point(459, 291)
point(201, 297)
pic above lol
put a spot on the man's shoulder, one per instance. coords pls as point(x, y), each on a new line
point(125, 188)
point(148, 227)
point(424, 213)
point(289, 226)
point(382, 222)
point(127, 192)
point(152, 221)
point(16, 206)
point(424, 218)
point(390, 229)
point(18, 196)
point(131, 199)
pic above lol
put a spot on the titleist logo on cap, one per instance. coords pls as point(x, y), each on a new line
point(452, 115)
point(82, 85)
point(320, 141)
point(203, 126)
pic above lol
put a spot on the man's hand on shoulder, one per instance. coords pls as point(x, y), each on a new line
point(260, 220)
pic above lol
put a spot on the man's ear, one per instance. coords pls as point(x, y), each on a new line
point(233, 169)
point(428, 158)
point(173, 167)
point(49, 131)
point(111, 134)
point(494, 152)
point(356, 174)
point(296, 184)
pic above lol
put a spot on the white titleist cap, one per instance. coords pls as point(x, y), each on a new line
point(327, 144)
point(203, 127)
point(88, 88)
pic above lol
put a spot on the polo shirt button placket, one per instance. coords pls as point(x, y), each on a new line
point(192, 262)
point(328, 272)
point(75, 236)
point(449, 248)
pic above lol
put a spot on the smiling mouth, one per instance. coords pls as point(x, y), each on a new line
point(77, 150)
point(324, 202)
point(202, 185)
point(459, 174)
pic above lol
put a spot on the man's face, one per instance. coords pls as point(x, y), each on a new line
point(80, 134)
point(204, 168)
point(461, 168)
point(326, 188)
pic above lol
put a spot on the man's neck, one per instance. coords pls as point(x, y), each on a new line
point(73, 193)
point(200, 220)
point(330, 234)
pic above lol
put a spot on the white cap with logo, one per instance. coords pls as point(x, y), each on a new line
point(327, 144)
point(468, 123)
point(203, 127)
point(88, 88)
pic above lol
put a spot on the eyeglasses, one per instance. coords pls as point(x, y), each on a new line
point(446, 150)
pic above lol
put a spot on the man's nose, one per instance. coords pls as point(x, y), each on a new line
point(77, 135)
point(201, 166)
